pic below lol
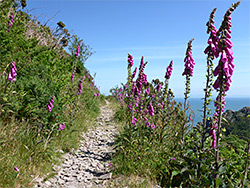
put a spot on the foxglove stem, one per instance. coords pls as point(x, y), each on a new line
point(218, 137)
point(211, 51)
point(188, 71)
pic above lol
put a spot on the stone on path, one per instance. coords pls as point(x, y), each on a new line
point(89, 165)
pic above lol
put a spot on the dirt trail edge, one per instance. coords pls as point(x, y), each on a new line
point(89, 165)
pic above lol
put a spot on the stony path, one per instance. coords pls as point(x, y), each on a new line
point(89, 166)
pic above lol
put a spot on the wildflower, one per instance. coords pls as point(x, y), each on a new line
point(130, 60)
point(225, 67)
point(80, 87)
point(78, 50)
point(11, 19)
point(16, 169)
point(73, 75)
point(137, 101)
point(169, 70)
point(61, 127)
point(212, 50)
point(158, 88)
point(151, 109)
point(133, 74)
point(152, 126)
point(189, 61)
point(213, 134)
point(144, 78)
point(134, 120)
point(50, 105)
point(12, 74)
point(147, 90)
point(173, 158)
point(49, 108)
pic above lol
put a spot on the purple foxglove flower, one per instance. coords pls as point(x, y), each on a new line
point(162, 105)
point(214, 143)
point(148, 124)
point(151, 110)
point(78, 50)
point(159, 87)
point(147, 90)
point(189, 61)
point(61, 127)
point(223, 57)
point(228, 43)
point(10, 78)
point(49, 108)
point(130, 60)
point(144, 78)
point(229, 53)
point(206, 50)
point(16, 169)
point(133, 122)
point(169, 70)
point(141, 64)
point(73, 75)
point(80, 87)
point(217, 70)
point(11, 19)
point(12, 74)
point(228, 34)
point(216, 84)
point(51, 104)
point(134, 73)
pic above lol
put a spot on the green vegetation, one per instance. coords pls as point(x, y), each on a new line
point(158, 140)
point(47, 96)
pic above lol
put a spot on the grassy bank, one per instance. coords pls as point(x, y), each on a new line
point(47, 96)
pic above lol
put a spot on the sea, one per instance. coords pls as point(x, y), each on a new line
point(196, 105)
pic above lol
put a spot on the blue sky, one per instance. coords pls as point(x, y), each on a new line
point(156, 29)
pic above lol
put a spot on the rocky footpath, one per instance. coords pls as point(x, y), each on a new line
point(89, 166)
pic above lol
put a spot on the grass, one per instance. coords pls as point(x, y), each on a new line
point(132, 181)
point(22, 149)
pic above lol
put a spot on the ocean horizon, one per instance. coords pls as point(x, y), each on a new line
point(196, 105)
